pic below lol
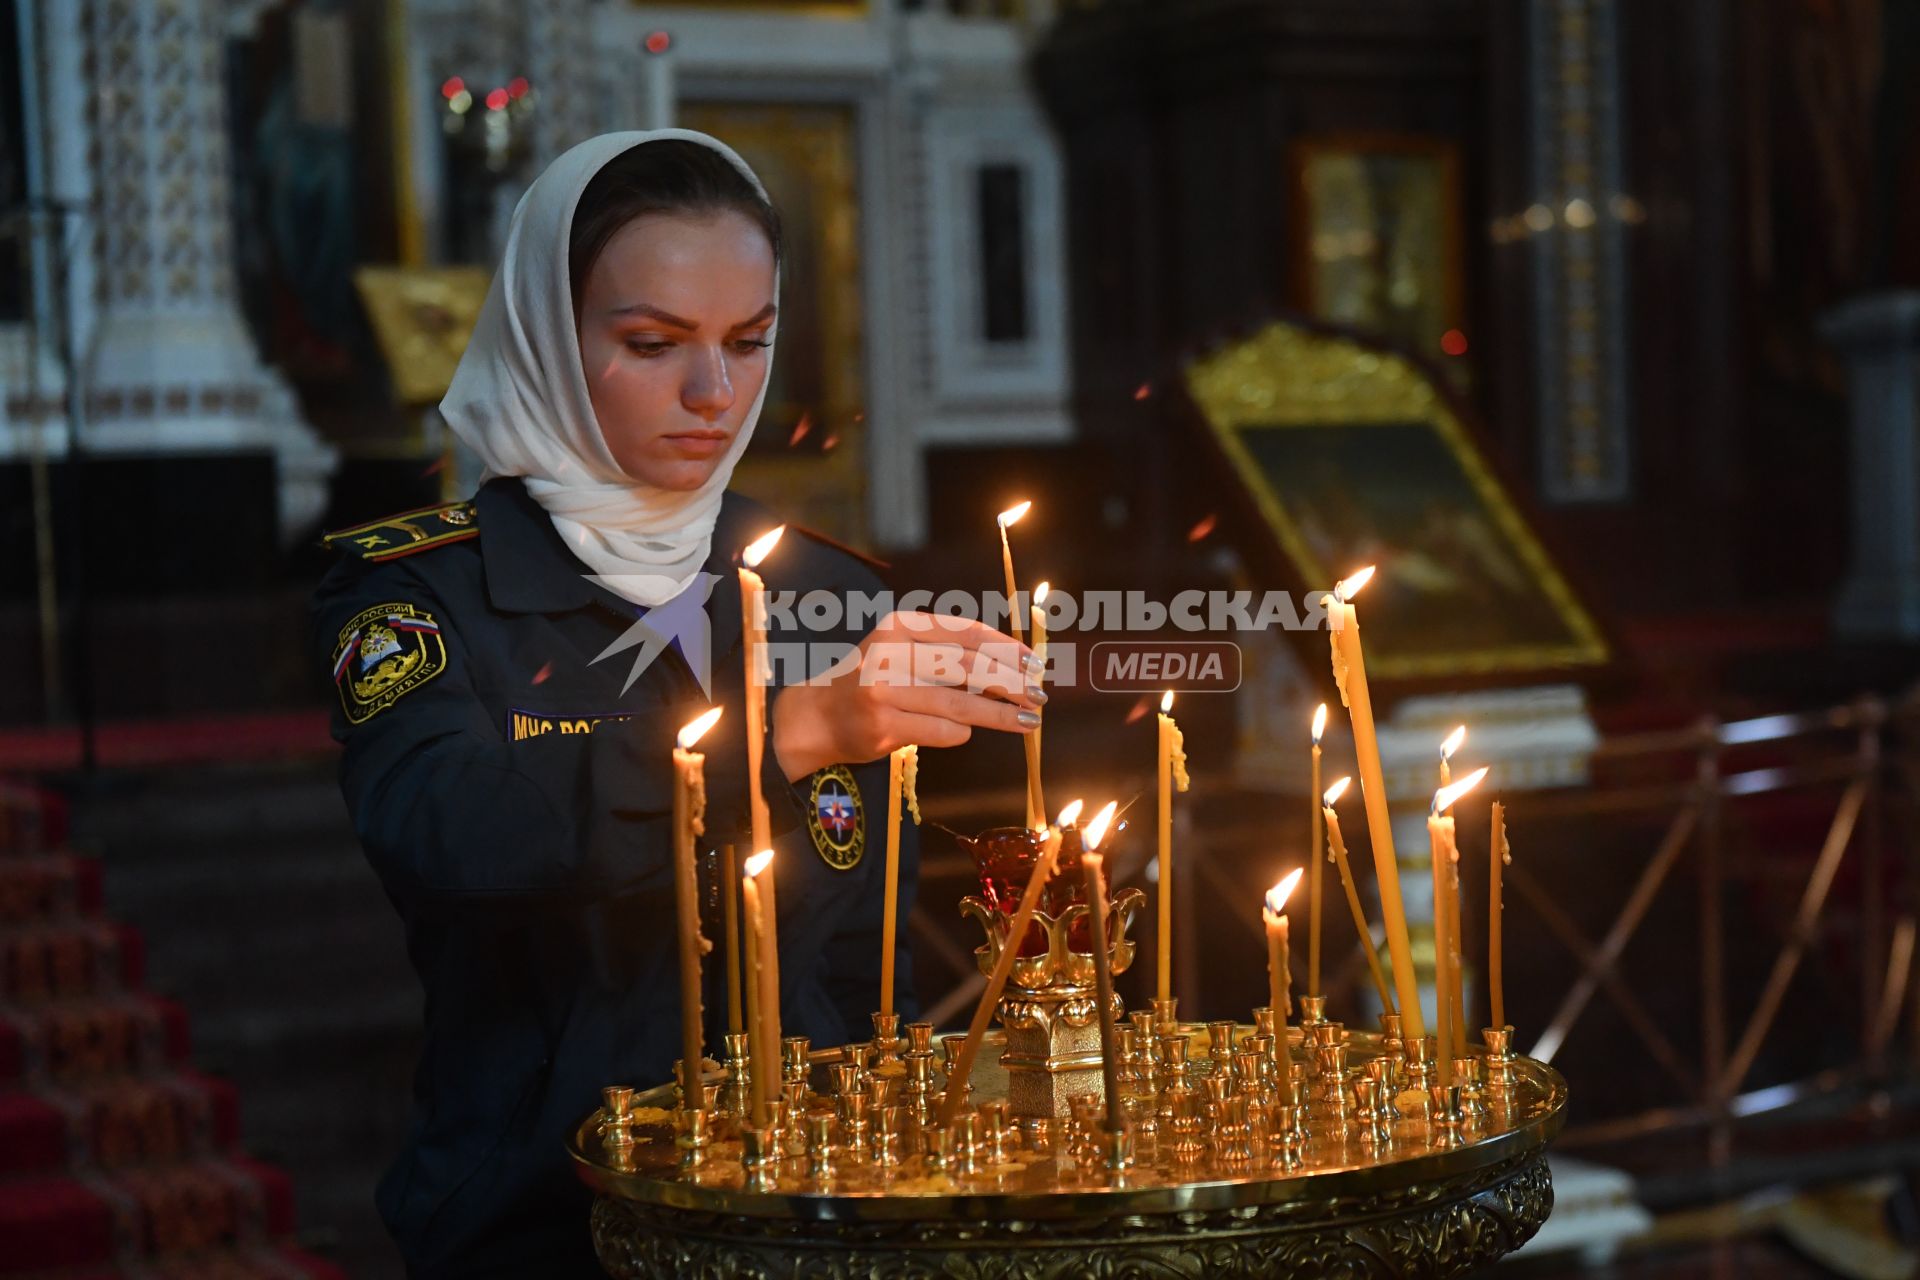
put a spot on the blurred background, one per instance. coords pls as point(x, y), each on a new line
point(1595, 323)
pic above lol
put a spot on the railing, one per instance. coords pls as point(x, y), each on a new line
point(1698, 783)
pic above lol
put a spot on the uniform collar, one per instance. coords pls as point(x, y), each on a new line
point(529, 568)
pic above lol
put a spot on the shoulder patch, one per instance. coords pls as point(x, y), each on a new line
point(384, 654)
point(837, 818)
point(391, 537)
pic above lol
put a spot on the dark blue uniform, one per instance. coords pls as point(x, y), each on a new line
point(516, 803)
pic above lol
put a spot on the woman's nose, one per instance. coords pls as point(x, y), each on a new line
point(707, 391)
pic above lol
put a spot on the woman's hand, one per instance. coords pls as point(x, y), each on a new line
point(917, 677)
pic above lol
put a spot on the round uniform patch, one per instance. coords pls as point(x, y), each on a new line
point(836, 819)
point(384, 654)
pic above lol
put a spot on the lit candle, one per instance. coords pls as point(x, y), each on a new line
point(1337, 851)
point(1499, 857)
point(1036, 818)
point(1090, 864)
point(1279, 975)
point(753, 636)
point(962, 1068)
point(902, 767)
point(763, 1034)
point(1350, 674)
point(689, 821)
point(730, 920)
point(1313, 860)
point(1456, 990)
point(1036, 796)
point(1441, 846)
point(1172, 773)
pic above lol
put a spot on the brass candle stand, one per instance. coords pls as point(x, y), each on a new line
point(1334, 1156)
point(1050, 1010)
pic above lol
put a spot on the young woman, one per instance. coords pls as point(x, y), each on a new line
point(508, 743)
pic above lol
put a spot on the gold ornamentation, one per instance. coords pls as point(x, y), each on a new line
point(1446, 1227)
point(1059, 963)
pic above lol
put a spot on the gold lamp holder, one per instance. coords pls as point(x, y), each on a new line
point(1049, 1009)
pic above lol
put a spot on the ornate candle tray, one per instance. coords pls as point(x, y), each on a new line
point(1228, 1167)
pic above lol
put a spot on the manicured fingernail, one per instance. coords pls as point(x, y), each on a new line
point(1028, 719)
point(1033, 665)
point(1036, 694)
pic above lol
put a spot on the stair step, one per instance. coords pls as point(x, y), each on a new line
point(76, 1040)
point(68, 960)
point(116, 1124)
point(38, 887)
point(187, 1209)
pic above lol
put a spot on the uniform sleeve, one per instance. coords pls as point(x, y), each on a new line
point(848, 973)
point(448, 808)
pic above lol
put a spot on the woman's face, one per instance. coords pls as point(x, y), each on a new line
point(674, 317)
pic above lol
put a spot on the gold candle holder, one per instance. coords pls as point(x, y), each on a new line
point(820, 1145)
point(616, 1104)
point(886, 1039)
point(1420, 1055)
point(1220, 1045)
point(1119, 1149)
point(1390, 1037)
point(889, 1137)
point(795, 1063)
point(919, 1037)
point(1312, 1009)
point(736, 1091)
point(1049, 1009)
point(758, 1157)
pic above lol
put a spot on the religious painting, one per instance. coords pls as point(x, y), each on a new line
point(1352, 455)
point(808, 452)
point(422, 317)
point(1375, 240)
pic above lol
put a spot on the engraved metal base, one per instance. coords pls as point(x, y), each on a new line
point(1348, 1189)
point(1433, 1229)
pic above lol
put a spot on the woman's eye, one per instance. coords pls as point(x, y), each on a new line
point(647, 348)
point(747, 346)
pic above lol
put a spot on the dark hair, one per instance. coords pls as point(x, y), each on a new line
point(671, 175)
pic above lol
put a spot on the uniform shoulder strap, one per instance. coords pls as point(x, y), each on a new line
point(392, 537)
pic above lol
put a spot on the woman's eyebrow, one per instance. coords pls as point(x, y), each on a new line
point(677, 322)
point(645, 309)
point(763, 314)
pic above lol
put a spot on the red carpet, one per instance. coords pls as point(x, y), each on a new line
point(116, 1157)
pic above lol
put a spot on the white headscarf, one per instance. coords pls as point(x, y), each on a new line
point(519, 399)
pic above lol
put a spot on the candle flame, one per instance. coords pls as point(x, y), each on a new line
point(1040, 592)
point(1349, 586)
point(1278, 895)
point(1070, 812)
point(759, 862)
point(1444, 798)
point(757, 549)
point(1096, 828)
point(1335, 791)
point(1452, 744)
point(1012, 514)
point(1166, 702)
point(1319, 723)
point(697, 728)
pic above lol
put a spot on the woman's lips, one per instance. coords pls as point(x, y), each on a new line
point(698, 444)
